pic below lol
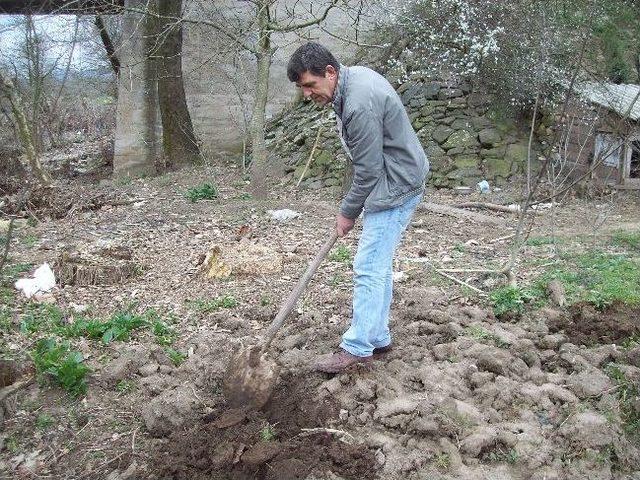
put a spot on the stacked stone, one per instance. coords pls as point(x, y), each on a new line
point(465, 137)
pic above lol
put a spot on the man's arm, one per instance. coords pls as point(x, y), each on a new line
point(365, 134)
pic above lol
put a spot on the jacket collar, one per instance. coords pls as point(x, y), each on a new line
point(341, 87)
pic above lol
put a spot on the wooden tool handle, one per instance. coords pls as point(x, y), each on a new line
point(291, 301)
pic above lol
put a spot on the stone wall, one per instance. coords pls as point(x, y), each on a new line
point(466, 137)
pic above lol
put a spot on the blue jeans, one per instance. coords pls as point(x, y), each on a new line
point(373, 278)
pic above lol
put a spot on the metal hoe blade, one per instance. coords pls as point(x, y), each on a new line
point(250, 378)
point(251, 374)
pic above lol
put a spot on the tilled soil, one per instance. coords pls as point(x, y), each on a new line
point(586, 325)
point(463, 395)
point(276, 443)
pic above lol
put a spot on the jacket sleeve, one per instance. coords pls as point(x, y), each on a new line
point(365, 135)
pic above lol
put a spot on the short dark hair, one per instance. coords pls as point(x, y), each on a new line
point(310, 57)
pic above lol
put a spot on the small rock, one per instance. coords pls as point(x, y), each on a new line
point(588, 430)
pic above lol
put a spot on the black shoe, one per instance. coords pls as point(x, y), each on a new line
point(382, 350)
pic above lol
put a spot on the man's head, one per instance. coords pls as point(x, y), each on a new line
point(315, 70)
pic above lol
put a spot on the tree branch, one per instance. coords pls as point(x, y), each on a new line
point(274, 27)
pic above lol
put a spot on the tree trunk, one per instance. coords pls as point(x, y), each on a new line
point(8, 90)
point(178, 138)
point(264, 54)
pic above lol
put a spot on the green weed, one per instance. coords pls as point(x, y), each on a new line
point(176, 356)
point(206, 191)
point(118, 327)
point(265, 300)
point(40, 318)
point(214, 304)
point(628, 395)
point(509, 299)
point(442, 461)
point(483, 335)
point(58, 362)
point(125, 386)
point(268, 432)
point(44, 421)
point(627, 239)
point(341, 254)
point(165, 335)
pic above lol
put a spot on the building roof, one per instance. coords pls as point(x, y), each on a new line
point(622, 99)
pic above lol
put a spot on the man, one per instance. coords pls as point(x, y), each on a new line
point(389, 169)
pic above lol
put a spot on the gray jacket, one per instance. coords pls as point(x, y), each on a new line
point(389, 164)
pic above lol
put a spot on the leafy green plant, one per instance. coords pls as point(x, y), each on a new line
point(341, 254)
point(40, 318)
point(165, 335)
point(509, 299)
point(176, 356)
point(214, 304)
point(206, 191)
point(118, 327)
point(58, 362)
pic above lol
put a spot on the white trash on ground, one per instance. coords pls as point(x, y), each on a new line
point(283, 215)
point(42, 282)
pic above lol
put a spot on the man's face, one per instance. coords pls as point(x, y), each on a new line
point(319, 88)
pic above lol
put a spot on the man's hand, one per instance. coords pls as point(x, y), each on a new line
point(344, 225)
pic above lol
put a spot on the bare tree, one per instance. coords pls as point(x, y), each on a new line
point(8, 90)
point(178, 138)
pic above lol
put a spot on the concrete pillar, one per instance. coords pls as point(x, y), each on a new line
point(138, 140)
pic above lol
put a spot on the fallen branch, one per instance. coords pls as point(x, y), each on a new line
point(490, 206)
point(454, 279)
point(460, 213)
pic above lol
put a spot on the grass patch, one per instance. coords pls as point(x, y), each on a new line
point(341, 254)
point(628, 394)
point(56, 361)
point(482, 335)
point(214, 304)
point(627, 239)
point(206, 191)
point(596, 277)
point(44, 421)
point(540, 241)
